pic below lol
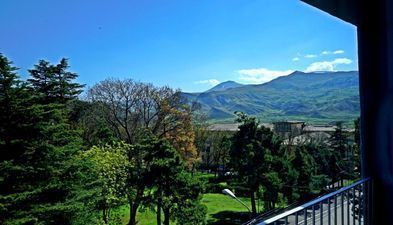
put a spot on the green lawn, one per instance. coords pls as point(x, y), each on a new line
point(221, 210)
point(147, 217)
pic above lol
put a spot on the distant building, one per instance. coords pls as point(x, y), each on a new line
point(224, 127)
point(288, 129)
point(232, 127)
point(307, 138)
point(292, 133)
point(324, 129)
point(319, 128)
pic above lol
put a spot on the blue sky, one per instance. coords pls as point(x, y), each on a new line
point(187, 44)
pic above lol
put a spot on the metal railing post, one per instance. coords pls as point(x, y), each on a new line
point(356, 197)
point(328, 211)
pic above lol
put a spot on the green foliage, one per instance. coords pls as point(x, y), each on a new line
point(38, 148)
point(253, 156)
point(14, 111)
point(267, 167)
point(109, 165)
point(174, 190)
point(191, 213)
point(53, 83)
point(246, 153)
point(341, 163)
point(92, 121)
point(306, 167)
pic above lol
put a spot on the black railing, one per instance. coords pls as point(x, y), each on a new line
point(349, 205)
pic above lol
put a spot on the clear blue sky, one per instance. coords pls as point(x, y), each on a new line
point(187, 44)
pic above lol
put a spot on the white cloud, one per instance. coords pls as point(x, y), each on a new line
point(333, 52)
point(342, 61)
point(260, 75)
point(320, 66)
point(310, 56)
point(210, 82)
point(296, 59)
point(327, 65)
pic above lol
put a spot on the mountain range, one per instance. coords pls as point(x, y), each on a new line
point(312, 97)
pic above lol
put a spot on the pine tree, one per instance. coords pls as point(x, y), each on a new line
point(41, 80)
point(13, 109)
point(174, 189)
point(38, 182)
point(54, 83)
point(252, 155)
point(64, 87)
point(340, 163)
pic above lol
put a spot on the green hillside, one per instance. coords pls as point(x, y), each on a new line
point(314, 97)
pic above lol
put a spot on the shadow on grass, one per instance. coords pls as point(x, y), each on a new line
point(229, 218)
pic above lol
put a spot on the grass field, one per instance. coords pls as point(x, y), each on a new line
point(221, 210)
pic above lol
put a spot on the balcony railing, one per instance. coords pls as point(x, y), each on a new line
point(349, 205)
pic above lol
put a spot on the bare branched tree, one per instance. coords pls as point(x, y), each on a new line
point(119, 101)
point(134, 109)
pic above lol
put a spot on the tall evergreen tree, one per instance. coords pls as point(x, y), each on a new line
point(174, 188)
point(37, 144)
point(13, 110)
point(340, 163)
point(54, 83)
point(65, 88)
point(252, 155)
point(41, 80)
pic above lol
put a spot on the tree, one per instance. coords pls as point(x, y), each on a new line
point(200, 125)
point(304, 164)
point(340, 163)
point(38, 146)
point(137, 177)
point(132, 109)
point(191, 213)
point(289, 176)
point(17, 137)
point(187, 200)
point(252, 151)
point(182, 136)
point(173, 187)
point(109, 165)
point(272, 181)
point(54, 83)
point(307, 169)
point(37, 183)
point(13, 110)
point(216, 147)
point(90, 119)
point(221, 151)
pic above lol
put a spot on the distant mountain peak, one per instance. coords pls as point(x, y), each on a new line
point(229, 82)
point(313, 96)
point(225, 86)
point(297, 72)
